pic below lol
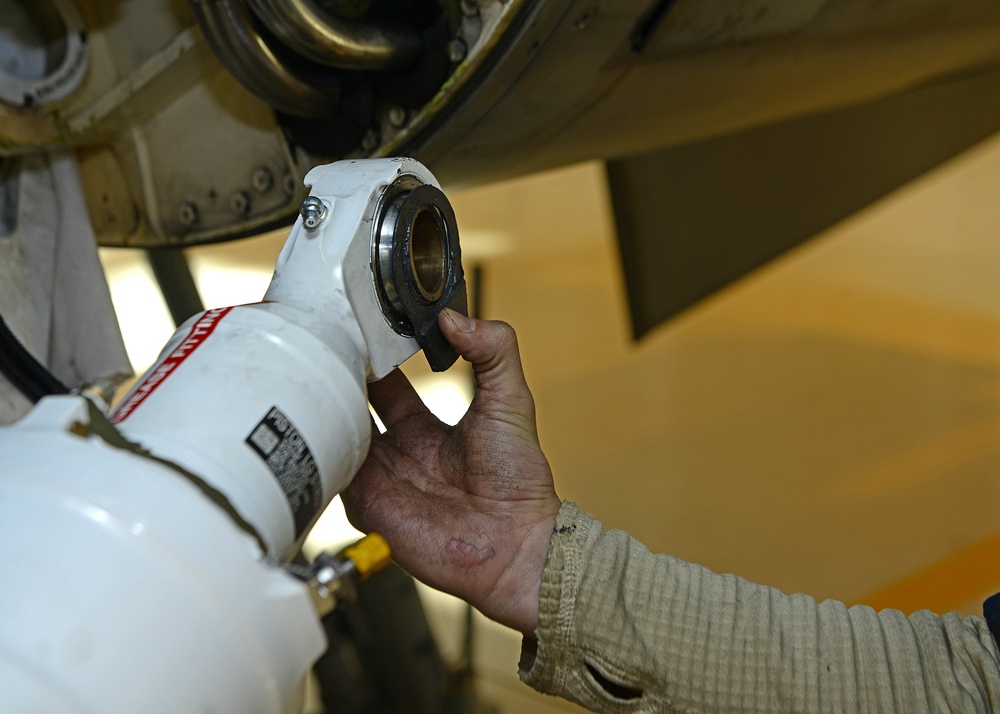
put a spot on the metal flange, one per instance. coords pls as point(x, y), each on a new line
point(419, 265)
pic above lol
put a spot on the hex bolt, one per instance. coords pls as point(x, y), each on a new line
point(457, 50)
point(239, 203)
point(188, 214)
point(262, 179)
point(313, 212)
point(288, 184)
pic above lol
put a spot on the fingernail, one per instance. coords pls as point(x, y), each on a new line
point(460, 321)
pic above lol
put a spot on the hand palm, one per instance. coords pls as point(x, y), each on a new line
point(468, 509)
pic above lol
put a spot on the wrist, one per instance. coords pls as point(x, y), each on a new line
point(514, 599)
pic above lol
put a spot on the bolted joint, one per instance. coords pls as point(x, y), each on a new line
point(313, 212)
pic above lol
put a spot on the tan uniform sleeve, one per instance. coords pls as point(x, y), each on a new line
point(622, 630)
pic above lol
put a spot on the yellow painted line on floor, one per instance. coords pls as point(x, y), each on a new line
point(947, 584)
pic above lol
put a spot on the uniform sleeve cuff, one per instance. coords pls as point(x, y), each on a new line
point(540, 656)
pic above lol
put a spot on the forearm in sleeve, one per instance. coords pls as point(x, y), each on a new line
point(622, 630)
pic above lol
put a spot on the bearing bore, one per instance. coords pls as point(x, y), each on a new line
point(418, 264)
point(428, 253)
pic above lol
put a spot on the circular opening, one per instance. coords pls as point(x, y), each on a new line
point(43, 51)
point(427, 253)
point(32, 39)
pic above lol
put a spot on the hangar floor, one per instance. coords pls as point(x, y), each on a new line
point(829, 424)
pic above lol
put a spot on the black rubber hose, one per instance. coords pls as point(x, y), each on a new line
point(27, 374)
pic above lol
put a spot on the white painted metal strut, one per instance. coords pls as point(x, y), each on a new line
point(126, 588)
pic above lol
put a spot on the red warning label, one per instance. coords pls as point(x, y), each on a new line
point(200, 332)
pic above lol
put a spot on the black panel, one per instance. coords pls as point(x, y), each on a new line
point(693, 218)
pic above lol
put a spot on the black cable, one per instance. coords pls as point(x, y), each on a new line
point(25, 373)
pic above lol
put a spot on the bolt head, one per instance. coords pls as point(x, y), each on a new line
point(325, 575)
point(188, 214)
point(457, 50)
point(397, 116)
point(239, 203)
point(262, 179)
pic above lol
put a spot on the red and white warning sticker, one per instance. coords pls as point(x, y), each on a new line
point(200, 331)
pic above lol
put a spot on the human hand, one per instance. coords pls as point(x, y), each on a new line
point(467, 509)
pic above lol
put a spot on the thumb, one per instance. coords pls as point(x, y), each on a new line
point(490, 346)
